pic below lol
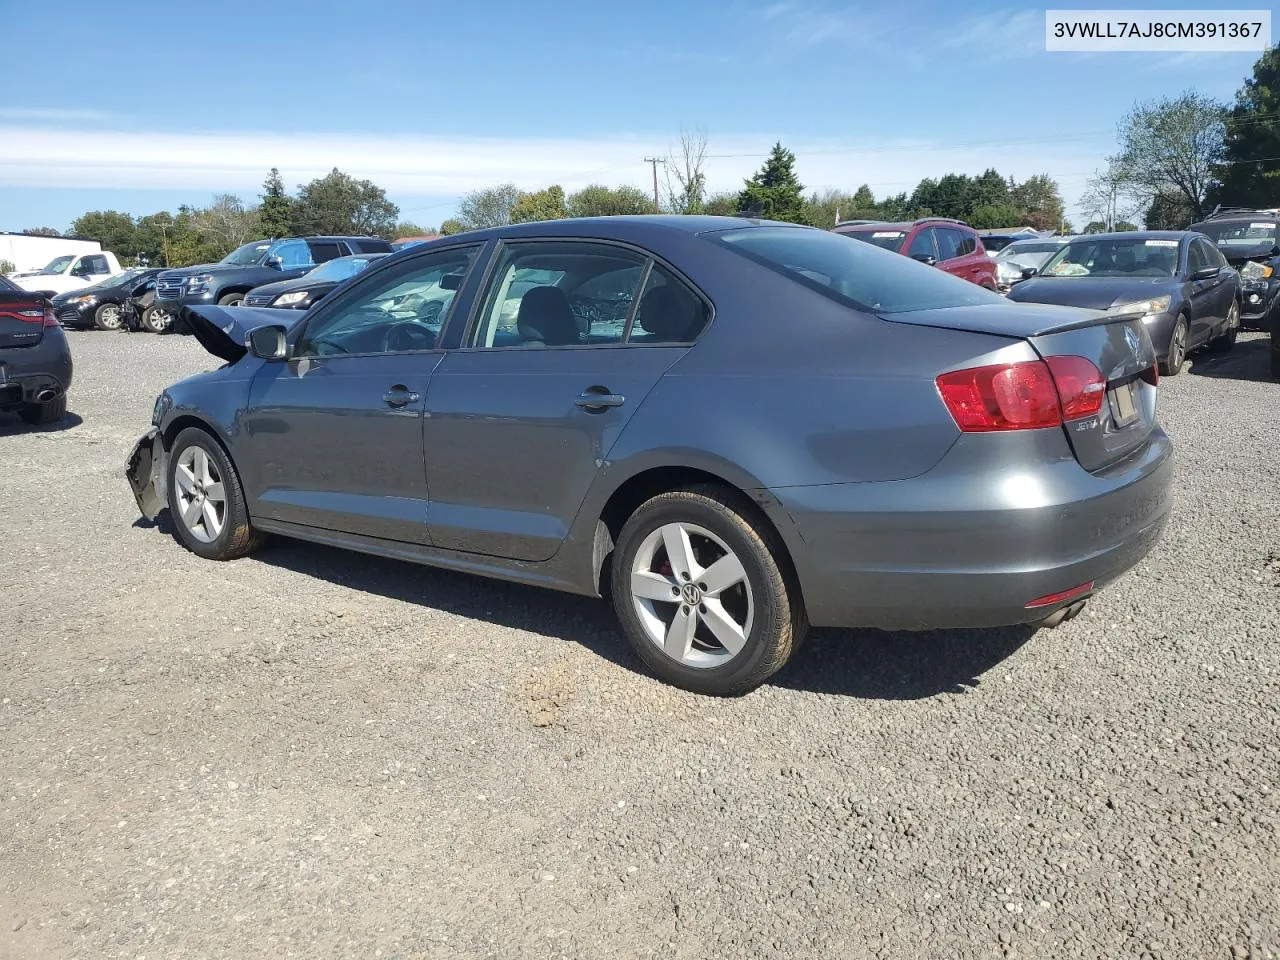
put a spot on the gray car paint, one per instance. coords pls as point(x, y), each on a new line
point(827, 418)
point(1204, 302)
point(34, 359)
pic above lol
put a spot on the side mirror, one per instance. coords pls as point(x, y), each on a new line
point(318, 295)
point(269, 342)
point(924, 258)
point(1029, 272)
point(275, 263)
point(1206, 273)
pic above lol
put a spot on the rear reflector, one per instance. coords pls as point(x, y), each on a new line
point(1152, 375)
point(1023, 396)
point(1050, 599)
point(50, 318)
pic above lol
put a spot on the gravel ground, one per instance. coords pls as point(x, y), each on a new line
point(316, 754)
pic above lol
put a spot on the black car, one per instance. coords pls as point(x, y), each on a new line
point(1185, 291)
point(101, 305)
point(301, 293)
point(1249, 240)
point(35, 359)
point(263, 261)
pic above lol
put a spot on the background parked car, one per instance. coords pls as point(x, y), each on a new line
point(101, 305)
point(996, 240)
point(918, 452)
point(1015, 259)
point(141, 312)
point(1249, 241)
point(301, 293)
point(252, 265)
point(951, 245)
point(35, 359)
point(402, 243)
point(1184, 289)
point(71, 272)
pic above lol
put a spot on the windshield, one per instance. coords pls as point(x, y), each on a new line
point(1239, 233)
point(57, 265)
point(339, 269)
point(996, 243)
point(1114, 258)
point(857, 274)
point(248, 254)
point(888, 239)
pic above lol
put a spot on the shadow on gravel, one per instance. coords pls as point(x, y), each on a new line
point(863, 663)
point(1248, 360)
point(11, 423)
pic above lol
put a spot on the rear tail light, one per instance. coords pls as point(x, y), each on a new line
point(1049, 599)
point(50, 318)
point(1152, 375)
point(1022, 396)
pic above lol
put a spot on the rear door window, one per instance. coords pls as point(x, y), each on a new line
point(922, 245)
point(322, 251)
point(669, 311)
point(950, 242)
point(1196, 260)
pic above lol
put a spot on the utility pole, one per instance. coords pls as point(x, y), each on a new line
point(654, 161)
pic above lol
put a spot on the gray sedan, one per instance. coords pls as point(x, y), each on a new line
point(733, 428)
point(1184, 290)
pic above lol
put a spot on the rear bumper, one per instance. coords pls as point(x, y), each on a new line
point(145, 472)
point(28, 373)
point(970, 543)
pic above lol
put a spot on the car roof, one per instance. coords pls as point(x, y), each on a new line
point(1139, 235)
point(622, 228)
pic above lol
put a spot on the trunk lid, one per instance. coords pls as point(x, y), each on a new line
point(1117, 345)
point(22, 318)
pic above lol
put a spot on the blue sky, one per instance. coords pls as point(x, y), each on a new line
point(158, 104)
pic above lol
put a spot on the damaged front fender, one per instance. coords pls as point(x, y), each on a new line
point(145, 472)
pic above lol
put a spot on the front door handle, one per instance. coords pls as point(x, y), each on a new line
point(597, 399)
point(399, 396)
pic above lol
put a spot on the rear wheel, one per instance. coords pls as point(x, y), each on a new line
point(41, 414)
point(701, 594)
point(206, 501)
point(231, 300)
point(155, 319)
point(108, 317)
point(1227, 339)
point(1177, 348)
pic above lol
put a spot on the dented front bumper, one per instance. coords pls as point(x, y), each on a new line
point(145, 472)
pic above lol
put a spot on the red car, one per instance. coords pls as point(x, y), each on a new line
point(951, 245)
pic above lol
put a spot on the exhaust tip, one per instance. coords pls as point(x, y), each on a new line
point(47, 394)
point(1059, 617)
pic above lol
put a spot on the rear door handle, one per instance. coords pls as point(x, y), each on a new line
point(399, 396)
point(591, 400)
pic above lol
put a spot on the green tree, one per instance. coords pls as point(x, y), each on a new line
point(226, 224)
point(276, 215)
point(685, 177)
point(155, 232)
point(114, 230)
point(597, 200)
point(488, 208)
point(992, 216)
point(1170, 210)
point(825, 209)
point(1041, 202)
point(1250, 168)
point(775, 192)
point(7, 267)
point(187, 245)
point(721, 205)
point(548, 204)
point(407, 228)
point(989, 189)
point(451, 227)
point(1126, 225)
point(1096, 226)
point(337, 203)
point(1174, 146)
point(41, 232)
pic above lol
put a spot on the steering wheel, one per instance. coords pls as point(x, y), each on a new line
point(409, 335)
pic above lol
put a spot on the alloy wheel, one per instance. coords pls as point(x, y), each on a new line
point(202, 499)
point(1178, 346)
point(692, 595)
point(110, 317)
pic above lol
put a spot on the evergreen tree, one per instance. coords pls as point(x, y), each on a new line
point(275, 216)
point(1250, 173)
point(775, 193)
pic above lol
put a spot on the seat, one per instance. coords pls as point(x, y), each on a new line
point(1124, 261)
point(665, 316)
point(544, 317)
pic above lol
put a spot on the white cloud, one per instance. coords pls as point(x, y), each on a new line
point(50, 113)
point(412, 166)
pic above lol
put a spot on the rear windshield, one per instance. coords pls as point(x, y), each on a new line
point(996, 243)
point(858, 274)
point(888, 239)
point(1239, 233)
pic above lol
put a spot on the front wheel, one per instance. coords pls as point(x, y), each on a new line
point(108, 317)
point(701, 594)
point(1177, 348)
point(206, 501)
point(156, 319)
point(231, 300)
point(1227, 339)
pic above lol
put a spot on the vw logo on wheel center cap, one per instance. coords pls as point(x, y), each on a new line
point(691, 594)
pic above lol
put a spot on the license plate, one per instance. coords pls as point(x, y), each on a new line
point(1124, 409)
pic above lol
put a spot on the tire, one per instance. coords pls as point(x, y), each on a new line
point(197, 465)
point(761, 609)
point(1177, 348)
point(155, 320)
point(108, 317)
point(231, 300)
point(43, 414)
point(1227, 339)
